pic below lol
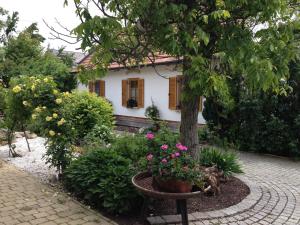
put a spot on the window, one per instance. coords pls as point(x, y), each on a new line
point(175, 89)
point(133, 93)
point(97, 87)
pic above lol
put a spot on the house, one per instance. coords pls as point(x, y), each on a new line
point(131, 91)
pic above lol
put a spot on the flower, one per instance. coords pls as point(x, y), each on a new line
point(25, 103)
point(66, 94)
point(58, 100)
point(164, 160)
point(61, 122)
point(181, 147)
point(38, 109)
point(33, 116)
point(52, 133)
point(44, 107)
point(54, 115)
point(164, 147)
point(173, 156)
point(150, 136)
point(55, 92)
point(149, 157)
point(48, 118)
point(33, 87)
point(46, 79)
point(17, 89)
point(177, 154)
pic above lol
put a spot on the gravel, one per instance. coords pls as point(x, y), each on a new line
point(31, 162)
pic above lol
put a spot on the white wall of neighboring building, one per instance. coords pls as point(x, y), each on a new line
point(156, 89)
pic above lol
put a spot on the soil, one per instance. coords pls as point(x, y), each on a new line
point(232, 192)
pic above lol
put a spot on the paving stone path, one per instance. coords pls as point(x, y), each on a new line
point(274, 197)
point(25, 201)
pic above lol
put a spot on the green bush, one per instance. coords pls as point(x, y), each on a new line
point(100, 134)
point(103, 178)
point(131, 147)
point(225, 161)
point(84, 111)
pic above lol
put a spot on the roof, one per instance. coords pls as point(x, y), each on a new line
point(157, 60)
point(77, 56)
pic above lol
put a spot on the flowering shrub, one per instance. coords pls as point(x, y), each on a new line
point(170, 161)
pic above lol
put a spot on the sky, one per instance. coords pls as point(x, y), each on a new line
point(36, 10)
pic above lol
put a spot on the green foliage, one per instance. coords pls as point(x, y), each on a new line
point(84, 110)
point(224, 161)
point(133, 147)
point(259, 122)
point(103, 178)
point(99, 134)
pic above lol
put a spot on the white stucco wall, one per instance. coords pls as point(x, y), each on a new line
point(156, 88)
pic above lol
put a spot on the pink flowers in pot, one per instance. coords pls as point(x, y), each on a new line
point(150, 136)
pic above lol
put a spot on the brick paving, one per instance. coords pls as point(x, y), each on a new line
point(274, 199)
point(26, 201)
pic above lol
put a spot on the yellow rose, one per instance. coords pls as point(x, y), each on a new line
point(33, 116)
point(55, 115)
point(46, 80)
point(55, 92)
point(17, 89)
point(58, 100)
point(33, 87)
point(38, 109)
point(61, 122)
point(44, 107)
point(25, 103)
point(52, 133)
point(48, 118)
point(66, 94)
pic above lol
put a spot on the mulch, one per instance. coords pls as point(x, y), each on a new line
point(232, 192)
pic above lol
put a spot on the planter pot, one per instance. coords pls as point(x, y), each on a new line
point(172, 185)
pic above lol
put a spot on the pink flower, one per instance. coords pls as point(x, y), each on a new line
point(177, 154)
point(149, 136)
point(181, 147)
point(173, 156)
point(164, 161)
point(149, 157)
point(164, 147)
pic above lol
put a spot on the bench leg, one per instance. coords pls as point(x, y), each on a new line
point(182, 209)
point(144, 209)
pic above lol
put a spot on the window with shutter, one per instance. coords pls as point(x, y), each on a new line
point(97, 87)
point(172, 93)
point(124, 92)
point(141, 93)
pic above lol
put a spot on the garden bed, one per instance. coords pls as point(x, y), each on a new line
point(232, 192)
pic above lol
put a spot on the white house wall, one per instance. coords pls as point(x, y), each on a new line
point(156, 88)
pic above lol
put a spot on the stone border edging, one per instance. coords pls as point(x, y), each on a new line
point(247, 203)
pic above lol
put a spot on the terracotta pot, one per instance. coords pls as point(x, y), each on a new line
point(172, 185)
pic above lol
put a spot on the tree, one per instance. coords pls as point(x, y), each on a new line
point(214, 39)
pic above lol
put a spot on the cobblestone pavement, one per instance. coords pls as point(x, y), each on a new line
point(25, 201)
point(274, 197)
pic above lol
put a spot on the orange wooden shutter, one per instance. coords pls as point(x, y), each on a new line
point(141, 93)
point(172, 93)
point(201, 104)
point(102, 88)
point(91, 86)
point(124, 92)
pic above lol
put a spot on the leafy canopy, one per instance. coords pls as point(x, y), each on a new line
point(214, 38)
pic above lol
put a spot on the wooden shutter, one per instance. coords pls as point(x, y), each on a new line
point(200, 104)
point(102, 88)
point(91, 86)
point(124, 92)
point(172, 93)
point(141, 93)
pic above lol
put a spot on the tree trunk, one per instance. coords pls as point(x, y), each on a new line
point(189, 112)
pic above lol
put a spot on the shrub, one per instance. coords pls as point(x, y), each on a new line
point(78, 115)
point(84, 111)
point(100, 134)
point(225, 161)
point(131, 147)
point(103, 178)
